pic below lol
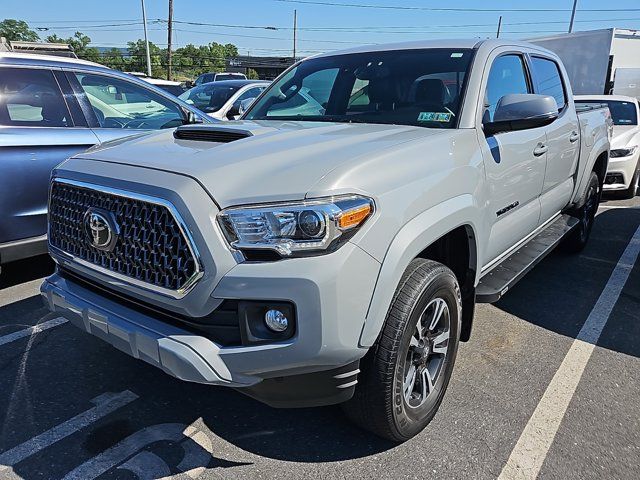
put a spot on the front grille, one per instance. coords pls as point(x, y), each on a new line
point(151, 247)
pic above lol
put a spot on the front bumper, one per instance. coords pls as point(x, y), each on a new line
point(331, 295)
point(620, 172)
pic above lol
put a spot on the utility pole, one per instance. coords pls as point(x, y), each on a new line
point(573, 15)
point(295, 29)
point(169, 27)
point(146, 38)
point(499, 25)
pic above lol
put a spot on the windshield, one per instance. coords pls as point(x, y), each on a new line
point(407, 87)
point(209, 97)
point(622, 113)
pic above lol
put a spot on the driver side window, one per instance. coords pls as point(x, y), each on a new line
point(121, 104)
point(507, 76)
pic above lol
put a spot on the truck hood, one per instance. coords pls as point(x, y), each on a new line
point(623, 136)
point(279, 161)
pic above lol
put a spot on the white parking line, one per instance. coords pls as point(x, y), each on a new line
point(20, 292)
point(532, 448)
point(12, 337)
point(105, 404)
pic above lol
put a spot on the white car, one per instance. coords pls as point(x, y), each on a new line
point(171, 86)
point(623, 174)
point(223, 99)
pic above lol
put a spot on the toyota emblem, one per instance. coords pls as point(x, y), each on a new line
point(101, 229)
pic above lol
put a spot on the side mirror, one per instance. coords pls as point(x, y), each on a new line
point(191, 118)
point(234, 111)
point(245, 104)
point(522, 111)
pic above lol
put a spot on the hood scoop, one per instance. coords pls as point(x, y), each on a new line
point(208, 133)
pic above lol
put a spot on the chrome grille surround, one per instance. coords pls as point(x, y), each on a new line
point(146, 223)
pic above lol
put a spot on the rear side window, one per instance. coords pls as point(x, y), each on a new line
point(507, 76)
point(548, 81)
point(31, 98)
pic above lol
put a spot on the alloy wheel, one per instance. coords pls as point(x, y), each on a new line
point(427, 353)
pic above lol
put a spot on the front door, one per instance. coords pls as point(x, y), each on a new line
point(37, 132)
point(514, 163)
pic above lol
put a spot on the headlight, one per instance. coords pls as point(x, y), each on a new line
point(295, 228)
point(623, 152)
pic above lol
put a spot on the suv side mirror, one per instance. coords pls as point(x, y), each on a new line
point(522, 111)
point(234, 111)
point(190, 118)
point(245, 104)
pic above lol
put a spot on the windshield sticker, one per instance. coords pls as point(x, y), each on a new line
point(434, 117)
point(456, 55)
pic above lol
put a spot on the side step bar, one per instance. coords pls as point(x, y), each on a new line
point(506, 274)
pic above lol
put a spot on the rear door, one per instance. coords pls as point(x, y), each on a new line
point(118, 108)
point(562, 138)
point(41, 125)
point(514, 161)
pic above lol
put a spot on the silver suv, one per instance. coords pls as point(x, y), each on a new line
point(52, 108)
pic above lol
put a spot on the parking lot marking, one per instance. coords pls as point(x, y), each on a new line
point(104, 405)
point(196, 445)
point(20, 292)
point(27, 332)
point(532, 447)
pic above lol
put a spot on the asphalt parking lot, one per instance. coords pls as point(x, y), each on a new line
point(72, 406)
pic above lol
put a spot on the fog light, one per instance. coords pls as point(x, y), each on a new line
point(276, 321)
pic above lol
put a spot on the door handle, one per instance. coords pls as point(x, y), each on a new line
point(541, 149)
point(574, 137)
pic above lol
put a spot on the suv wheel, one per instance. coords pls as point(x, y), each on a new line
point(406, 373)
point(577, 239)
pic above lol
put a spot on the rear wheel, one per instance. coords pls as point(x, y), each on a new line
point(406, 373)
point(579, 236)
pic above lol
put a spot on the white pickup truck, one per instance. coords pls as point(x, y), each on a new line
point(331, 245)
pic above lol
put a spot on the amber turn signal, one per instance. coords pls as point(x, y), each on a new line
point(352, 218)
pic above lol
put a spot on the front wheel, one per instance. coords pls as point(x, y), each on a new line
point(579, 236)
point(406, 372)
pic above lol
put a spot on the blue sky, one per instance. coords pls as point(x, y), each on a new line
point(102, 21)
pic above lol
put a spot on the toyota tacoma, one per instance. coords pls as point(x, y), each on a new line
point(330, 246)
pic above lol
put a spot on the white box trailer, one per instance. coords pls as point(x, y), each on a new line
point(599, 61)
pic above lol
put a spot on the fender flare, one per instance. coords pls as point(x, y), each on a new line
point(410, 240)
point(599, 148)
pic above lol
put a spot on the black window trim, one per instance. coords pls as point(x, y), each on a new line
point(53, 71)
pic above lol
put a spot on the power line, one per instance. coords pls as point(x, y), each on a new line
point(452, 9)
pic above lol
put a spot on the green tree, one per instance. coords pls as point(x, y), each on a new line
point(17, 31)
point(192, 60)
point(137, 58)
point(80, 44)
point(252, 74)
point(113, 59)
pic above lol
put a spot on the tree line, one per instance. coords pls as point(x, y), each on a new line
point(187, 62)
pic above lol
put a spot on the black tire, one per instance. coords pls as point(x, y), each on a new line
point(633, 186)
point(380, 403)
point(586, 214)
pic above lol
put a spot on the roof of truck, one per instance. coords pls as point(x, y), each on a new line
point(468, 43)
